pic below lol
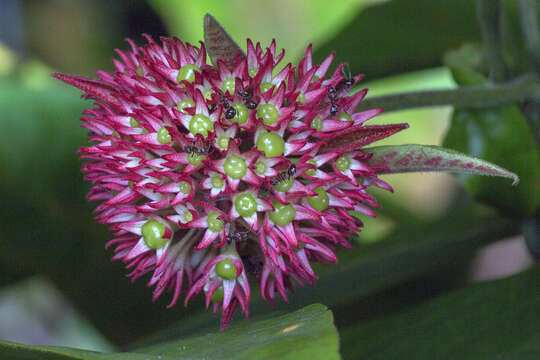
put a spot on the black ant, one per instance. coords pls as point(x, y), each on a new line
point(332, 95)
point(285, 175)
point(347, 80)
point(230, 112)
point(192, 149)
point(247, 97)
point(235, 236)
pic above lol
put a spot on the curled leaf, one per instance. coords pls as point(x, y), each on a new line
point(219, 43)
point(420, 158)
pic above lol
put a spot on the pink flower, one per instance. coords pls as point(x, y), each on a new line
point(207, 174)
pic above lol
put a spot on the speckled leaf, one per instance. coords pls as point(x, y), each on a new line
point(219, 43)
point(421, 158)
point(308, 333)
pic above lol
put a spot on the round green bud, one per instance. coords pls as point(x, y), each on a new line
point(228, 85)
point(163, 136)
point(260, 167)
point(200, 124)
point(187, 73)
point(196, 159)
point(245, 204)
point(269, 113)
point(271, 144)
point(265, 86)
point(235, 166)
point(185, 187)
point(284, 185)
point(344, 116)
point(139, 71)
point(242, 114)
point(302, 99)
point(226, 270)
point(133, 122)
point(311, 172)
point(217, 182)
point(187, 216)
point(213, 223)
point(223, 142)
point(152, 232)
point(343, 163)
point(283, 214)
point(218, 295)
point(317, 123)
point(320, 201)
point(185, 103)
point(207, 93)
point(253, 71)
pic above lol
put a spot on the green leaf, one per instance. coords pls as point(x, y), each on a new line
point(423, 158)
point(493, 320)
point(219, 44)
point(392, 37)
point(14, 351)
point(308, 333)
point(498, 135)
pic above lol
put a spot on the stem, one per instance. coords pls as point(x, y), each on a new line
point(531, 29)
point(482, 96)
point(488, 12)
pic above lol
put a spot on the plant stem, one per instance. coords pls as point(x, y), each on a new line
point(531, 29)
point(527, 86)
point(488, 12)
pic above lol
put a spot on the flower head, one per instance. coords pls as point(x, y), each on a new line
point(207, 174)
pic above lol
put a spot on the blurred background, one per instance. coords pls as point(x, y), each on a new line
point(58, 286)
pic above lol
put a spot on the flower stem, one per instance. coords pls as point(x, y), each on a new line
point(531, 29)
point(527, 86)
point(488, 13)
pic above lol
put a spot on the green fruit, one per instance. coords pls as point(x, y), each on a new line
point(187, 73)
point(152, 232)
point(235, 166)
point(163, 136)
point(226, 270)
point(321, 201)
point(343, 163)
point(283, 214)
point(269, 113)
point(271, 144)
point(200, 124)
point(245, 204)
point(213, 223)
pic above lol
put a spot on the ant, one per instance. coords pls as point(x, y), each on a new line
point(192, 149)
point(285, 175)
point(332, 95)
point(247, 96)
point(235, 236)
point(347, 80)
point(230, 112)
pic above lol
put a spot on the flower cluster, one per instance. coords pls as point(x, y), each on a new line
point(208, 174)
